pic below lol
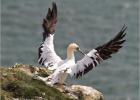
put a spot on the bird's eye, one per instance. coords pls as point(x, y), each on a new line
point(77, 48)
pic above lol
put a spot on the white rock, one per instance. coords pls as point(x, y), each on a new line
point(88, 93)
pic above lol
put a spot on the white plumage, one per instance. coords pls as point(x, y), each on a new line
point(63, 68)
point(48, 56)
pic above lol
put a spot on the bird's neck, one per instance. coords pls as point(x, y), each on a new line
point(70, 54)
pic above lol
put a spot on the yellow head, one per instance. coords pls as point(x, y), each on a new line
point(73, 47)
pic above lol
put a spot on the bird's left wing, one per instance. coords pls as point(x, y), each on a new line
point(96, 56)
point(46, 53)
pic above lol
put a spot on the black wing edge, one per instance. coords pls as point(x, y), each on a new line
point(90, 66)
point(113, 45)
point(86, 70)
point(40, 60)
point(49, 23)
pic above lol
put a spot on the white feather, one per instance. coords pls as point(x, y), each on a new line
point(48, 55)
point(70, 68)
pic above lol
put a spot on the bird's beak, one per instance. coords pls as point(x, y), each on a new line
point(81, 51)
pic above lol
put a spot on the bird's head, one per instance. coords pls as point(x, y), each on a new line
point(74, 47)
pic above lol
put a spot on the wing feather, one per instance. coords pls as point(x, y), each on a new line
point(113, 45)
point(96, 56)
point(46, 52)
point(91, 60)
point(49, 23)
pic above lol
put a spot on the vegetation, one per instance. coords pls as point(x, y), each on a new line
point(15, 83)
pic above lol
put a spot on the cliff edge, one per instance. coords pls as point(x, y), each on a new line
point(17, 82)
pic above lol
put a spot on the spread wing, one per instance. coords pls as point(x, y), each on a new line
point(46, 52)
point(96, 56)
point(113, 45)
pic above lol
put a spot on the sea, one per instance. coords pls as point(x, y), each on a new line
point(89, 23)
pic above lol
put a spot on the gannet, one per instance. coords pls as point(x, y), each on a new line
point(63, 68)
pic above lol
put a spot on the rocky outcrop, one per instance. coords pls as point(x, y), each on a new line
point(87, 93)
point(80, 92)
point(17, 82)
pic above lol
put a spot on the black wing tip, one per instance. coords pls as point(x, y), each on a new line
point(49, 22)
point(52, 12)
point(121, 34)
point(113, 45)
point(124, 27)
point(54, 5)
point(122, 31)
point(54, 9)
point(124, 40)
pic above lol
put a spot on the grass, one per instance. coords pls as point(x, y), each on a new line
point(17, 84)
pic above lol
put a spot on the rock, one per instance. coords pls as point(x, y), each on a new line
point(87, 93)
point(79, 92)
point(26, 73)
point(4, 74)
point(31, 70)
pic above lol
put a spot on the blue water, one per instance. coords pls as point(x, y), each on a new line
point(89, 23)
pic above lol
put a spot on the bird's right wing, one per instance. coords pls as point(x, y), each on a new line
point(97, 55)
point(46, 53)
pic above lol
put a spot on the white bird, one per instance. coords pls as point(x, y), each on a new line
point(63, 68)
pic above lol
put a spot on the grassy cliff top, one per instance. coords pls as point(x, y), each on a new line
point(16, 82)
